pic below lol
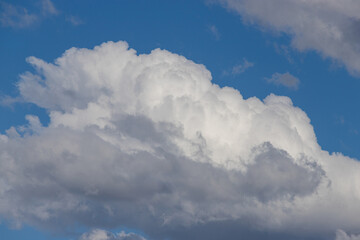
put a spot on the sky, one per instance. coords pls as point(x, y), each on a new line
point(202, 119)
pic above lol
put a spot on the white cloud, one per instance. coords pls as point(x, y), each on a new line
point(148, 142)
point(329, 27)
point(284, 79)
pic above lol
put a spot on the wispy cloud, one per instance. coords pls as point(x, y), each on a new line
point(242, 67)
point(239, 68)
point(284, 51)
point(48, 8)
point(16, 16)
point(284, 79)
point(214, 31)
point(8, 101)
point(74, 20)
point(20, 17)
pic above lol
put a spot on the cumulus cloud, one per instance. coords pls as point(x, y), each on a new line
point(148, 142)
point(329, 27)
point(284, 79)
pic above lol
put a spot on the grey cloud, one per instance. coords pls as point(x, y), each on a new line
point(284, 79)
point(328, 27)
point(274, 174)
point(341, 235)
point(243, 229)
point(79, 178)
point(239, 68)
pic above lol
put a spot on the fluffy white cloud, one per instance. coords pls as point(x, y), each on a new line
point(329, 27)
point(147, 141)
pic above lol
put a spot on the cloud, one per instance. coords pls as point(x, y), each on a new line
point(16, 16)
point(214, 31)
point(240, 68)
point(19, 17)
point(341, 235)
point(328, 27)
point(9, 101)
point(48, 8)
point(99, 234)
point(76, 21)
point(285, 51)
point(284, 79)
point(148, 142)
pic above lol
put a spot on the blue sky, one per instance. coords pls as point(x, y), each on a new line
point(243, 48)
